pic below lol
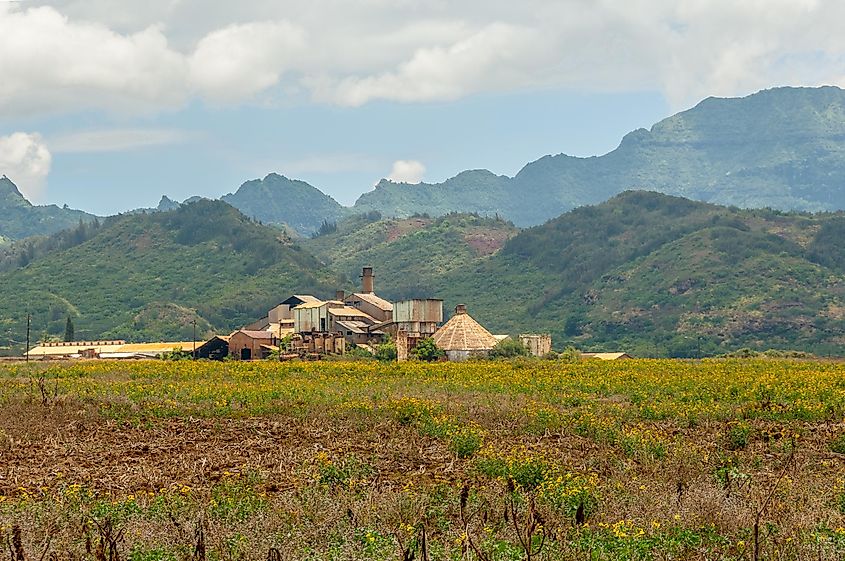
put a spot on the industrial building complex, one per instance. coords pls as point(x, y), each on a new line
point(305, 326)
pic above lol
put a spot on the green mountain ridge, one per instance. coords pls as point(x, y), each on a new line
point(643, 272)
point(282, 201)
point(651, 274)
point(20, 219)
point(781, 148)
point(410, 253)
point(478, 191)
point(148, 276)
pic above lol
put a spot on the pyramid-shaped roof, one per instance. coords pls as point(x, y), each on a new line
point(462, 333)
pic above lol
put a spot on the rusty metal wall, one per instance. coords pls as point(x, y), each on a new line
point(418, 310)
point(308, 319)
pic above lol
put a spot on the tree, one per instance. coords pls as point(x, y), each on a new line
point(386, 351)
point(69, 329)
point(427, 351)
point(509, 348)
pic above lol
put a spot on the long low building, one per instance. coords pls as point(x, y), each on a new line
point(108, 349)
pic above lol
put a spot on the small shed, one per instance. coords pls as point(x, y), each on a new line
point(462, 337)
point(216, 348)
point(248, 345)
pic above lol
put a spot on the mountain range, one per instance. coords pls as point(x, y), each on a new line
point(643, 272)
point(782, 148)
point(592, 250)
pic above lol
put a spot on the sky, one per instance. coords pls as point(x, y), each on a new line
point(106, 105)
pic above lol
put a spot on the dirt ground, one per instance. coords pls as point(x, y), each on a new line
point(41, 446)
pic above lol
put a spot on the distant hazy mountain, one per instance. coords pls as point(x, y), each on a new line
point(782, 148)
point(279, 200)
point(470, 191)
point(166, 204)
point(19, 218)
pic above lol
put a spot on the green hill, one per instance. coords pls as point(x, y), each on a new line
point(411, 253)
point(477, 191)
point(147, 276)
point(653, 274)
point(20, 219)
point(782, 148)
point(282, 201)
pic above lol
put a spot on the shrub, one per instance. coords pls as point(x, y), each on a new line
point(386, 351)
point(509, 348)
point(465, 442)
point(570, 354)
point(838, 444)
point(427, 351)
point(738, 436)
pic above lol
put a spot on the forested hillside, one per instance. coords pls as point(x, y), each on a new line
point(148, 276)
point(643, 272)
point(412, 253)
point(655, 274)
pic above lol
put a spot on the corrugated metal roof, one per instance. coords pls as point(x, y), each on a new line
point(358, 327)
point(307, 298)
point(159, 347)
point(462, 333)
point(349, 311)
point(376, 301)
point(308, 305)
point(256, 334)
point(606, 356)
point(67, 350)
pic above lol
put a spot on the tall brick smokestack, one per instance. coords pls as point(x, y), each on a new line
point(368, 280)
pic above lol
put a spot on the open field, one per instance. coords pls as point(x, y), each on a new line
point(640, 459)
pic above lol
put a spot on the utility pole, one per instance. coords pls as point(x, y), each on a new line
point(195, 338)
point(28, 327)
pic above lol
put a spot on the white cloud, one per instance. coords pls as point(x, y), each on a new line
point(240, 61)
point(407, 171)
point(52, 64)
point(76, 55)
point(495, 57)
point(116, 140)
point(25, 159)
